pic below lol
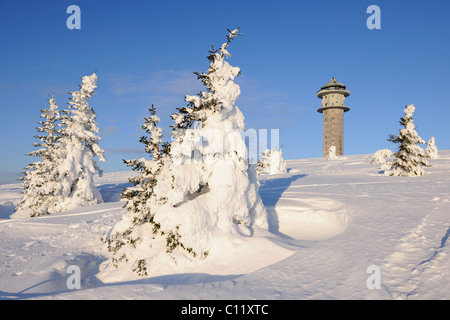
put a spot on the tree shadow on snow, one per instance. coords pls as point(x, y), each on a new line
point(112, 192)
point(7, 209)
point(180, 279)
point(57, 282)
point(271, 191)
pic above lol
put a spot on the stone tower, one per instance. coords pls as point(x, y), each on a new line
point(333, 95)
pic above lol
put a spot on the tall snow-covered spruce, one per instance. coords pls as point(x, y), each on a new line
point(410, 157)
point(80, 141)
point(40, 181)
point(198, 192)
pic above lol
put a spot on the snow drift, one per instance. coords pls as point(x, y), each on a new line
point(397, 223)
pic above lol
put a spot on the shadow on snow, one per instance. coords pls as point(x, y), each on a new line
point(112, 192)
point(271, 192)
point(89, 267)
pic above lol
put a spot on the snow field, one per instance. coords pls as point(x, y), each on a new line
point(328, 222)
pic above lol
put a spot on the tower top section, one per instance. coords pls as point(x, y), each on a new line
point(333, 86)
point(333, 96)
point(333, 83)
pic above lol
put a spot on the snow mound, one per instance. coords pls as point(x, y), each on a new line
point(311, 219)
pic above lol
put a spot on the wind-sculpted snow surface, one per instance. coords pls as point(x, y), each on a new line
point(329, 221)
point(312, 219)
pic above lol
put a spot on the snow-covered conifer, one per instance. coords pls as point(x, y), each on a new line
point(220, 154)
point(410, 158)
point(271, 162)
point(79, 139)
point(432, 151)
point(332, 153)
point(263, 165)
point(381, 156)
point(149, 192)
point(198, 190)
point(40, 181)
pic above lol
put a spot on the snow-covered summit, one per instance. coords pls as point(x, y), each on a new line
point(329, 221)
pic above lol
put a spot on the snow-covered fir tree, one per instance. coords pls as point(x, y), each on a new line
point(40, 181)
point(410, 157)
point(138, 227)
point(331, 155)
point(432, 151)
point(381, 156)
point(80, 141)
point(271, 162)
point(263, 165)
point(195, 192)
point(222, 176)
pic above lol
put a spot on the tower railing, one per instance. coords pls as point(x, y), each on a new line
point(334, 88)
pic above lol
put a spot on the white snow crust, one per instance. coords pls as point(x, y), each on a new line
point(328, 222)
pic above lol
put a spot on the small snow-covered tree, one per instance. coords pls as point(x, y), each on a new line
point(271, 162)
point(383, 157)
point(380, 156)
point(40, 181)
point(263, 165)
point(80, 141)
point(195, 191)
point(332, 153)
point(410, 158)
point(432, 151)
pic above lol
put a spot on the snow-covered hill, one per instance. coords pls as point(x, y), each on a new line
point(331, 224)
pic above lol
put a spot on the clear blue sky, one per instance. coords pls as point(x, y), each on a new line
point(144, 53)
